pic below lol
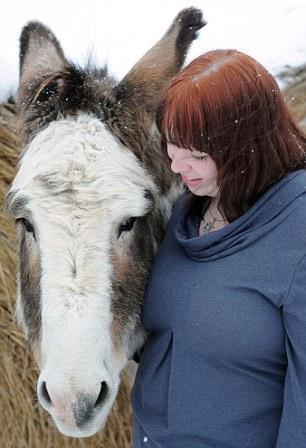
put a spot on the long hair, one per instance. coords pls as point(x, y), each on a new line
point(226, 104)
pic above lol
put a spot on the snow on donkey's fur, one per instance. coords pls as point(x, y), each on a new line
point(91, 198)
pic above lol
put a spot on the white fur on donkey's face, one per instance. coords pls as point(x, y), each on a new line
point(73, 236)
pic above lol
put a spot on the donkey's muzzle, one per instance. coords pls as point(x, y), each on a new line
point(85, 406)
point(73, 409)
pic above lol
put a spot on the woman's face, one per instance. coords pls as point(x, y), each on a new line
point(197, 169)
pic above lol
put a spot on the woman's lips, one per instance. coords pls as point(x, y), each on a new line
point(190, 182)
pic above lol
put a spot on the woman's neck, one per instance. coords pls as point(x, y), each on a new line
point(213, 208)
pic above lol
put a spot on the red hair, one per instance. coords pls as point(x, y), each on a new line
point(226, 104)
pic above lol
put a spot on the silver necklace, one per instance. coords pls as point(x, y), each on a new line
point(207, 226)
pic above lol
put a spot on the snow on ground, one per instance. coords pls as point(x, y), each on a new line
point(120, 32)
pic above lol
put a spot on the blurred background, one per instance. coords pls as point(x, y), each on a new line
point(119, 32)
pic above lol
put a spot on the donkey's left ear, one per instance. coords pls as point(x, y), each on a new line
point(40, 53)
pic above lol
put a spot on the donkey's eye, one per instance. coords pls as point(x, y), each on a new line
point(26, 224)
point(127, 225)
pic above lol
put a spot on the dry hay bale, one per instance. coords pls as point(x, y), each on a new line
point(23, 423)
point(295, 92)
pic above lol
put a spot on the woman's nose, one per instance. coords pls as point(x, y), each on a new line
point(177, 165)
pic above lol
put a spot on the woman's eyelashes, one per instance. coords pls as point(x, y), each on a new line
point(201, 157)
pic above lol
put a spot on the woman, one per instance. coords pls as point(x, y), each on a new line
point(225, 362)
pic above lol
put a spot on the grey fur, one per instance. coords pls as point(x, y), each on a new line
point(29, 285)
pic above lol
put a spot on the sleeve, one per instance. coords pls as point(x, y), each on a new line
point(292, 430)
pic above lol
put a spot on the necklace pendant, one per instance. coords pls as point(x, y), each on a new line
point(207, 226)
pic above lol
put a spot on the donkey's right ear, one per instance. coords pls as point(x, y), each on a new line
point(40, 53)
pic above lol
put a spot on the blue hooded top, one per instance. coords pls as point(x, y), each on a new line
point(225, 362)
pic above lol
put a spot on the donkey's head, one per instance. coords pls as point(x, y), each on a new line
point(91, 198)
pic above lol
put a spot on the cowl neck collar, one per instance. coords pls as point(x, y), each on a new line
point(268, 212)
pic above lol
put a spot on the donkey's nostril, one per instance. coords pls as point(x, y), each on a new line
point(83, 409)
point(44, 393)
point(102, 394)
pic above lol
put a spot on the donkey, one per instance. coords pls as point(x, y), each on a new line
point(91, 200)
